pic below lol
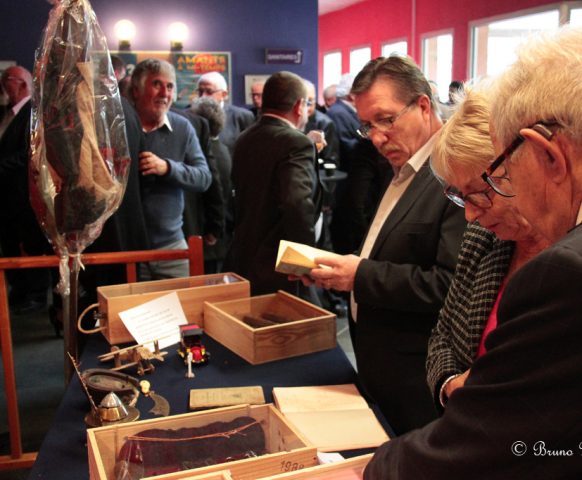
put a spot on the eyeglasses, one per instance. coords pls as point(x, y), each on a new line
point(502, 185)
point(309, 102)
point(207, 91)
point(383, 125)
point(480, 200)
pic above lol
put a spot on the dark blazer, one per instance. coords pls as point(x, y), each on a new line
point(320, 121)
point(237, 120)
point(18, 223)
point(523, 394)
point(277, 196)
point(346, 124)
point(481, 268)
point(204, 212)
point(400, 290)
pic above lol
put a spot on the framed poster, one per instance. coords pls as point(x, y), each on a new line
point(249, 80)
point(190, 66)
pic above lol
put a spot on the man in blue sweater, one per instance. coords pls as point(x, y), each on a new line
point(172, 161)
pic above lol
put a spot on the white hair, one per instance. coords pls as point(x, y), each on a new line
point(216, 79)
point(544, 84)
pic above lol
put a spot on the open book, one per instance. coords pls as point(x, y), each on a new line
point(297, 258)
point(331, 417)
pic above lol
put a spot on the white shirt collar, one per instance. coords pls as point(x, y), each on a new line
point(166, 122)
point(280, 118)
point(579, 217)
point(415, 163)
point(16, 108)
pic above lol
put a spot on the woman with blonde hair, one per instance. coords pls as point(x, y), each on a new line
point(497, 242)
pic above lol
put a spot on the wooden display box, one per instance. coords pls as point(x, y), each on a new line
point(192, 292)
point(350, 469)
point(284, 445)
point(310, 329)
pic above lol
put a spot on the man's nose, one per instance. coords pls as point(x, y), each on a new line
point(472, 212)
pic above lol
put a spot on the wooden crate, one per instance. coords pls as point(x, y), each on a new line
point(284, 444)
point(311, 328)
point(350, 469)
point(192, 292)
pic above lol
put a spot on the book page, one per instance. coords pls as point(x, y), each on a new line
point(331, 417)
point(297, 258)
point(318, 398)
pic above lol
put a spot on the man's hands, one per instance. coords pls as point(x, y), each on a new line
point(151, 164)
point(337, 272)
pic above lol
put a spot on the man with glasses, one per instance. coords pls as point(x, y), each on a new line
point(276, 183)
point(400, 278)
point(518, 414)
point(213, 84)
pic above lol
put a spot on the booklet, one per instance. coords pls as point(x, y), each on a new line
point(331, 417)
point(298, 258)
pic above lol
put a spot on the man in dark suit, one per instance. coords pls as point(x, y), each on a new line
point(213, 84)
point(402, 274)
point(276, 183)
point(518, 414)
point(19, 229)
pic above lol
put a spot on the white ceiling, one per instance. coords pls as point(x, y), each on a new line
point(326, 6)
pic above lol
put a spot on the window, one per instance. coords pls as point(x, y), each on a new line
point(437, 61)
point(332, 68)
point(494, 43)
point(401, 48)
point(576, 17)
point(358, 58)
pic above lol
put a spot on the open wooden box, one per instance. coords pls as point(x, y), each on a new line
point(350, 469)
point(284, 445)
point(192, 292)
point(307, 328)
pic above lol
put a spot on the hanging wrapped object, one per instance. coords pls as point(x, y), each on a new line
point(79, 155)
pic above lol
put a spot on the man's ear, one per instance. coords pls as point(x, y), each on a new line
point(551, 153)
point(297, 107)
point(423, 103)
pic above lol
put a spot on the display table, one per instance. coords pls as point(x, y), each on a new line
point(63, 453)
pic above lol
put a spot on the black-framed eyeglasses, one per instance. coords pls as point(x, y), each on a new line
point(383, 125)
point(501, 184)
point(480, 200)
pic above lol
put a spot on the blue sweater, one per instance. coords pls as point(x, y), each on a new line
point(163, 196)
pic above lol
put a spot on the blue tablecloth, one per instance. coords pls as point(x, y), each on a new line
point(63, 453)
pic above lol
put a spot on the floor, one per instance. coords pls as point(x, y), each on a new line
point(39, 360)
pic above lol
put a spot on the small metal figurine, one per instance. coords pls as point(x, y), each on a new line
point(189, 373)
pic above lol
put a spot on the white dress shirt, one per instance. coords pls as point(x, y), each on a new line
point(402, 179)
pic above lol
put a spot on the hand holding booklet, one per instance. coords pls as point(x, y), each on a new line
point(298, 258)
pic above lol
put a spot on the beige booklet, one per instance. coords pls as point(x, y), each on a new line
point(297, 258)
point(331, 417)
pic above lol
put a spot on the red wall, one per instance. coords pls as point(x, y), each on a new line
point(374, 22)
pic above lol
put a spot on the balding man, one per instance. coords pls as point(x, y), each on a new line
point(18, 225)
point(213, 84)
point(277, 191)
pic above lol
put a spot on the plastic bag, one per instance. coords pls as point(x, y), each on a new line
point(79, 155)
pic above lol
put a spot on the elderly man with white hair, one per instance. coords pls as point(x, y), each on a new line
point(518, 414)
point(213, 84)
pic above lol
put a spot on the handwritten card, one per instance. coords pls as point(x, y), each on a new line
point(157, 319)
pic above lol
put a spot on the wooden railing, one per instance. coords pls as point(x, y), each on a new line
point(17, 458)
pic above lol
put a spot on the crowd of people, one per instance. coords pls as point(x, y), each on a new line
point(456, 242)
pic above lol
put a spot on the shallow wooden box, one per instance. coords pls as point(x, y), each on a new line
point(192, 292)
point(285, 445)
point(350, 469)
point(311, 328)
